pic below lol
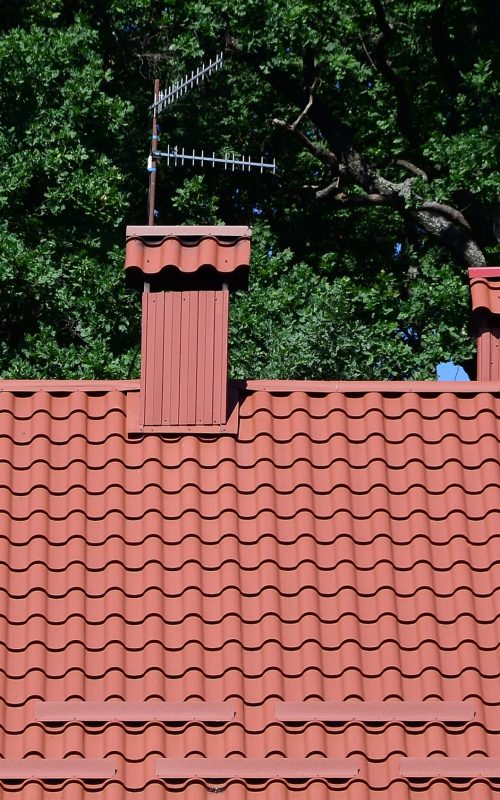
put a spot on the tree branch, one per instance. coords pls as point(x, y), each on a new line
point(367, 54)
point(343, 155)
point(361, 199)
point(402, 162)
point(453, 237)
point(324, 155)
point(303, 113)
point(450, 213)
point(332, 188)
point(385, 28)
point(308, 68)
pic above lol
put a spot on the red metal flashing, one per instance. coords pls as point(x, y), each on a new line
point(56, 768)
point(68, 386)
point(383, 711)
point(85, 711)
point(484, 272)
point(436, 767)
point(270, 386)
point(188, 231)
point(361, 387)
point(256, 768)
point(135, 425)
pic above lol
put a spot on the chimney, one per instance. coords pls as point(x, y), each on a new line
point(485, 298)
point(185, 275)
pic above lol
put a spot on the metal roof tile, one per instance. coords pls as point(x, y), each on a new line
point(342, 547)
point(183, 257)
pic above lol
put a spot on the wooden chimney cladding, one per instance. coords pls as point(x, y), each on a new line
point(184, 358)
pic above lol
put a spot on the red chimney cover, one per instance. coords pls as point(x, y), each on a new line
point(186, 274)
point(187, 257)
point(485, 288)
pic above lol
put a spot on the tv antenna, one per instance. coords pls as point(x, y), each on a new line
point(175, 156)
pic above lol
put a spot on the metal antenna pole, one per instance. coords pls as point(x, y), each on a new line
point(151, 161)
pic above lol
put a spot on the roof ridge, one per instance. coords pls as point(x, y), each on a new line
point(262, 385)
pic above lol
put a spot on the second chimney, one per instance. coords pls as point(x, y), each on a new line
point(185, 274)
point(485, 298)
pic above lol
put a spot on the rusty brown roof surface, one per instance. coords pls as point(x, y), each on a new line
point(344, 546)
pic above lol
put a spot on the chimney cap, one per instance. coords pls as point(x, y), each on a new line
point(184, 231)
point(485, 289)
point(187, 257)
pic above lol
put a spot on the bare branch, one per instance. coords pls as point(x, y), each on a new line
point(370, 59)
point(332, 188)
point(316, 82)
point(326, 156)
point(402, 162)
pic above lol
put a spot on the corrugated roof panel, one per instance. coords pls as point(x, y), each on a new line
point(184, 358)
point(343, 547)
point(488, 351)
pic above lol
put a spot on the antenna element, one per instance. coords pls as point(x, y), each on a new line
point(173, 155)
point(177, 157)
point(176, 90)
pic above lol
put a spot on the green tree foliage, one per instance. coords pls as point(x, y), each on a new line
point(63, 191)
point(382, 115)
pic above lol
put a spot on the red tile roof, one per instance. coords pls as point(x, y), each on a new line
point(343, 546)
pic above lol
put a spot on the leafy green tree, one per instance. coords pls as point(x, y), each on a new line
point(63, 311)
point(384, 120)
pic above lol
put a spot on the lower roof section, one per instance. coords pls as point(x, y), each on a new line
point(344, 546)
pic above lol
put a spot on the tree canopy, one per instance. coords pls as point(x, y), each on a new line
point(382, 115)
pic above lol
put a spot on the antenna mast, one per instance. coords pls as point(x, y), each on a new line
point(173, 155)
point(151, 162)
